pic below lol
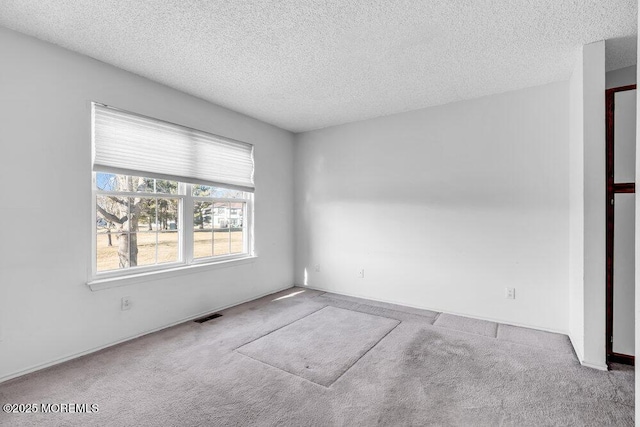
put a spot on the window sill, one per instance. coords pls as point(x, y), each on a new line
point(113, 282)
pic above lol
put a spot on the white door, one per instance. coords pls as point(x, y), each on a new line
point(624, 224)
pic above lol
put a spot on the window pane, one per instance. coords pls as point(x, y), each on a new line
point(220, 228)
point(221, 241)
point(202, 215)
point(106, 181)
point(135, 184)
point(102, 225)
point(168, 246)
point(218, 192)
point(112, 253)
point(143, 216)
point(115, 182)
point(202, 243)
point(128, 242)
point(107, 251)
point(202, 229)
point(139, 184)
point(237, 241)
point(167, 214)
point(168, 187)
point(145, 244)
point(236, 222)
point(220, 215)
point(112, 212)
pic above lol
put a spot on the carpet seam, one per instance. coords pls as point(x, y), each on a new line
point(509, 341)
point(368, 314)
point(366, 352)
point(277, 329)
point(466, 332)
point(280, 369)
point(364, 312)
point(382, 308)
point(545, 349)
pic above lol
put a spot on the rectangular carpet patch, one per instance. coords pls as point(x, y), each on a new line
point(321, 346)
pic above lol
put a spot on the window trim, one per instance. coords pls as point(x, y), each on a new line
point(188, 264)
point(165, 273)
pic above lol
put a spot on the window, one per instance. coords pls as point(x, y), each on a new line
point(137, 222)
point(219, 221)
point(151, 218)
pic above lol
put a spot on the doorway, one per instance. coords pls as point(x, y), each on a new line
point(620, 236)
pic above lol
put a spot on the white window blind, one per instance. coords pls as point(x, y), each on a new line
point(131, 144)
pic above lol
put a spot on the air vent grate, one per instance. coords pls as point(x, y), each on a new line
point(207, 318)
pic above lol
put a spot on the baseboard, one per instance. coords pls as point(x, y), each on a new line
point(504, 322)
point(594, 366)
point(579, 355)
point(150, 331)
point(598, 366)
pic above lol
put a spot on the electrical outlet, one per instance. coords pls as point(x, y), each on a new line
point(125, 303)
point(510, 293)
point(317, 268)
point(361, 274)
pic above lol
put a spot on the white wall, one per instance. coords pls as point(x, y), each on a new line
point(593, 56)
point(587, 206)
point(47, 311)
point(444, 207)
point(621, 77)
point(576, 208)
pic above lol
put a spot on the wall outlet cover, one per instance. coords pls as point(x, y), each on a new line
point(510, 293)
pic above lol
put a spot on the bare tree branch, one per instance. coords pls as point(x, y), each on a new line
point(123, 202)
point(111, 217)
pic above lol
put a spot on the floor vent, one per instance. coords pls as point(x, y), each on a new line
point(207, 318)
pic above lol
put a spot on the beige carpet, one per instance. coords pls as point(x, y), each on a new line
point(404, 370)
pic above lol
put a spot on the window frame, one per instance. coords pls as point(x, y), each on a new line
point(185, 233)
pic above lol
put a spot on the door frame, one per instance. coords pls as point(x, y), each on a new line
point(612, 190)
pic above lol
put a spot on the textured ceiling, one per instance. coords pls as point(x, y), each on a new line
point(308, 64)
